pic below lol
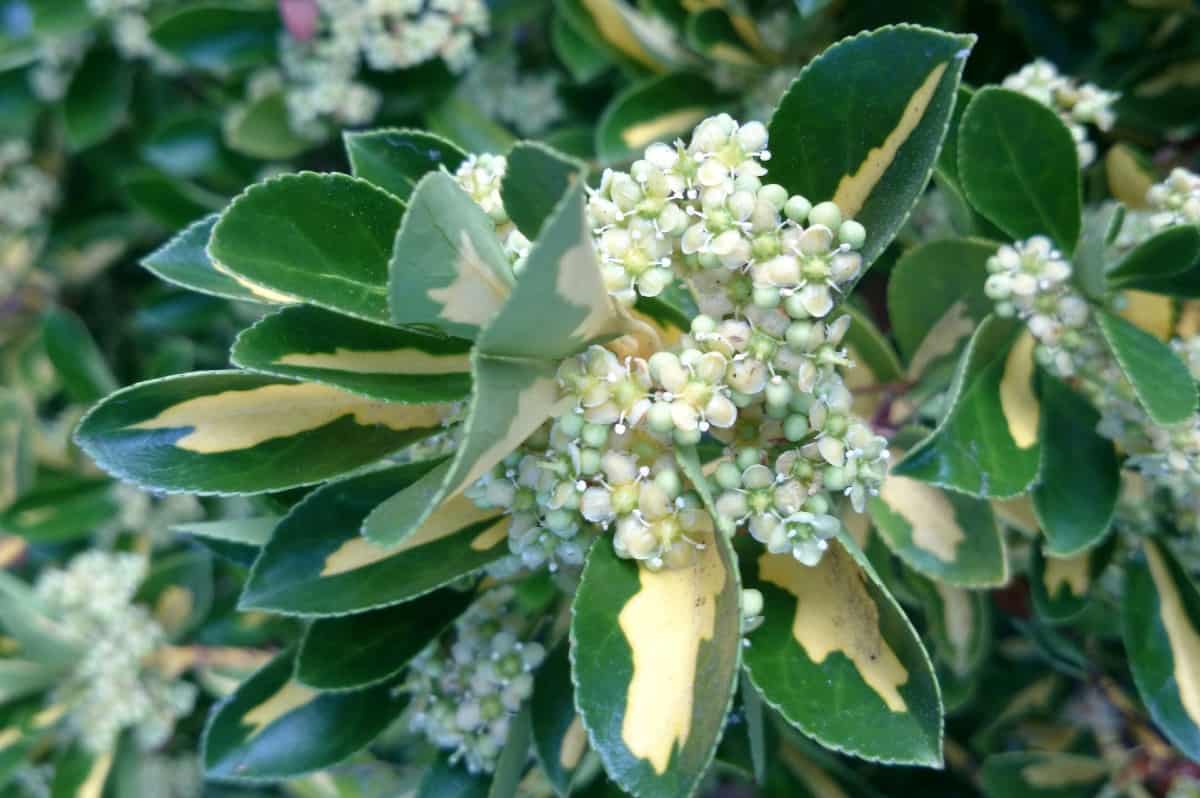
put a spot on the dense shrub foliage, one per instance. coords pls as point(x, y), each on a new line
point(549, 397)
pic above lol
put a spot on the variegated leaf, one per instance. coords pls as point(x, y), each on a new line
point(837, 658)
point(396, 365)
point(936, 299)
point(1019, 774)
point(654, 658)
point(660, 108)
point(184, 261)
point(1062, 586)
point(557, 307)
point(447, 267)
point(1160, 618)
point(559, 739)
point(235, 432)
point(987, 444)
point(317, 564)
point(947, 536)
point(273, 728)
point(321, 239)
point(863, 123)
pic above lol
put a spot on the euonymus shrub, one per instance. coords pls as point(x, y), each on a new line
point(571, 467)
point(494, 370)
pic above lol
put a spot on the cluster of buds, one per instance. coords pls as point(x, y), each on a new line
point(529, 103)
point(1176, 200)
point(538, 485)
point(1031, 280)
point(468, 685)
point(328, 42)
point(1077, 104)
point(759, 369)
point(27, 192)
point(481, 176)
point(113, 686)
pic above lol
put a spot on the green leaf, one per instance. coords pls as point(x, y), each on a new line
point(1161, 381)
point(234, 432)
point(463, 122)
point(185, 145)
point(837, 658)
point(447, 268)
point(944, 535)
point(167, 200)
point(73, 351)
point(20, 678)
point(869, 348)
point(62, 511)
point(960, 627)
point(612, 26)
point(382, 362)
point(654, 657)
point(444, 780)
point(317, 563)
point(179, 591)
point(559, 739)
point(581, 58)
point(936, 299)
point(1081, 475)
point(535, 182)
point(395, 159)
point(1062, 586)
point(863, 123)
point(219, 37)
point(53, 18)
point(1160, 620)
point(97, 100)
point(184, 261)
point(514, 757)
point(272, 727)
point(324, 239)
point(1158, 262)
point(1018, 165)
point(756, 731)
point(556, 309)
point(987, 444)
point(1088, 264)
point(78, 771)
point(712, 32)
point(1035, 774)
point(355, 651)
point(661, 108)
point(25, 619)
point(262, 129)
point(248, 531)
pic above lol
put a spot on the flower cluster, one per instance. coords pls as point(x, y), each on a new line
point(1077, 104)
point(322, 58)
point(757, 371)
point(112, 687)
point(27, 193)
point(128, 23)
point(468, 685)
point(1031, 280)
point(1176, 200)
point(481, 177)
point(529, 103)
